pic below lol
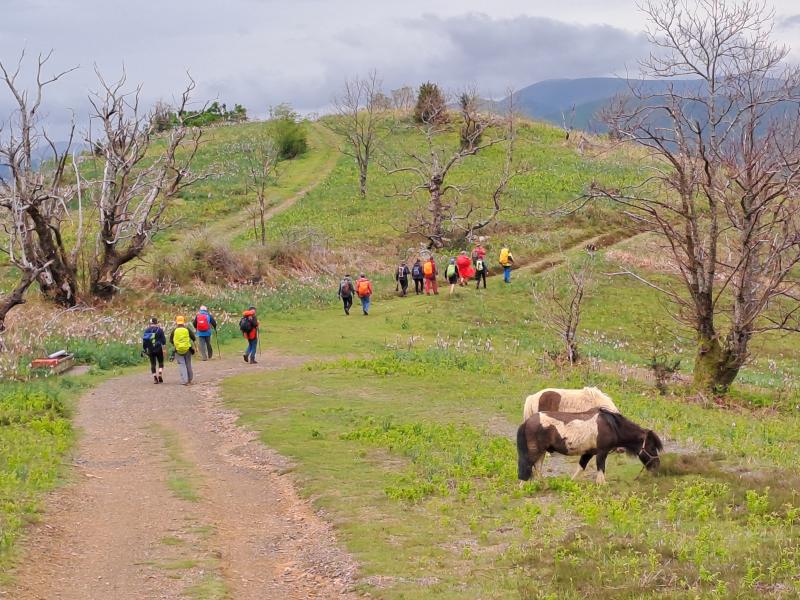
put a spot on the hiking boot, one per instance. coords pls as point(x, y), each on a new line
point(155, 379)
point(160, 379)
point(253, 361)
point(245, 357)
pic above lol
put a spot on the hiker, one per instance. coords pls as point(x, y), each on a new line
point(364, 291)
point(203, 324)
point(182, 339)
point(401, 276)
point(248, 325)
point(451, 275)
point(153, 342)
point(429, 272)
point(417, 276)
point(480, 272)
point(506, 261)
point(465, 270)
point(478, 253)
point(346, 288)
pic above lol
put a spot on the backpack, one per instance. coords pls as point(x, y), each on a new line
point(450, 271)
point(401, 273)
point(474, 255)
point(345, 288)
point(504, 256)
point(150, 340)
point(203, 322)
point(416, 271)
point(479, 265)
point(181, 340)
point(363, 288)
point(428, 268)
point(246, 324)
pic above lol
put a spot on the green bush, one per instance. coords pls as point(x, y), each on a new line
point(289, 134)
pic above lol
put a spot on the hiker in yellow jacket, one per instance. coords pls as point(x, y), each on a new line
point(506, 261)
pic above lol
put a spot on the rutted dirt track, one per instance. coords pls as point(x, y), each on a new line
point(120, 532)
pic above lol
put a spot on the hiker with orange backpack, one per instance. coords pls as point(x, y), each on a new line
point(364, 291)
point(248, 325)
point(203, 323)
point(429, 272)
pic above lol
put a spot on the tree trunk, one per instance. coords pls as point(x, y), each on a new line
point(105, 278)
point(437, 214)
point(58, 281)
point(14, 298)
point(263, 222)
point(715, 367)
point(362, 180)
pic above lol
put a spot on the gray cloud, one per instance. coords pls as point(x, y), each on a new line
point(262, 52)
point(789, 22)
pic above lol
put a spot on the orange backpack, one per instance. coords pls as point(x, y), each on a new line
point(427, 268)
point(362, 289)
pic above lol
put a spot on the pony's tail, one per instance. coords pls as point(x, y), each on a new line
point(524, 465)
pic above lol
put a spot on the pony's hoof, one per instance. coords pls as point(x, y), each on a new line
point(601, 478)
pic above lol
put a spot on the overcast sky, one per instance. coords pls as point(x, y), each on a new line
point(263, 52)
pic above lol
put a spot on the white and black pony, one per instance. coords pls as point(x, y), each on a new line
point(592, 433)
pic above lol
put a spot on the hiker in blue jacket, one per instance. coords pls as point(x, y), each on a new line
point(203, 324)
point(153, 343)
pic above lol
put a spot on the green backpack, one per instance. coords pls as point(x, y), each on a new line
point(451, 271)
point(181, 340)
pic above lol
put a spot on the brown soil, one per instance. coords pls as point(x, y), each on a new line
point(119, 532)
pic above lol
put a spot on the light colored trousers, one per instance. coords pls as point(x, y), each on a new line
point(185, 367)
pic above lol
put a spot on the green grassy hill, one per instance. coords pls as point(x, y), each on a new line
point(400, 423)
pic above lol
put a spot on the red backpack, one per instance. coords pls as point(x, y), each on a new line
point(202, 322)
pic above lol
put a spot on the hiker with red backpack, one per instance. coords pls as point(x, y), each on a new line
point(364, 291)
point(429, 272)
point(401, 276)
point(346, 291)
point(153, 342)
point(248, 325)
point(417, 276)
point(203, 324)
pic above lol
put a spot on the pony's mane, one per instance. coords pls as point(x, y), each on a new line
point(621, 425)
point(595, 392)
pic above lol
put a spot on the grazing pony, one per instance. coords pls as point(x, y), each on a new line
point(567, 401)
point(593, 433)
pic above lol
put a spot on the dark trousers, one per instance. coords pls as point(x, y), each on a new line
point(481, 275)
point(419, 286)
point(348, 302)
point(403, 286)
point(156, 358)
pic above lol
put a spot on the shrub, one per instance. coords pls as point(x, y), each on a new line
point(289, 134)
point(431, 107)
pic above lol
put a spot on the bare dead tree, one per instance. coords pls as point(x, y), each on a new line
point(35, 196)
point(476, 216)
point(568, 122)
point(469, 106)
point(139, 178)
point(723, 195)
point(261, 161)
point(360, 112)
point(403, 99)
point(429, 172)
point(559, 301)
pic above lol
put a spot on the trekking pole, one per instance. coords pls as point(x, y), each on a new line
point(216, 335)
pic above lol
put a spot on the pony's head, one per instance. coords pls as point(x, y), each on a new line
point(649, 452)
point(524, 464)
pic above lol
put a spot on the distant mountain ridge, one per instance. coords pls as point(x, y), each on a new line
point(549, 100)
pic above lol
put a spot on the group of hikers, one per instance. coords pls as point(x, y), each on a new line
point(460, 270)
point(183, 340)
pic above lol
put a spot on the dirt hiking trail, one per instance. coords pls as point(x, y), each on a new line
point(172, 500)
